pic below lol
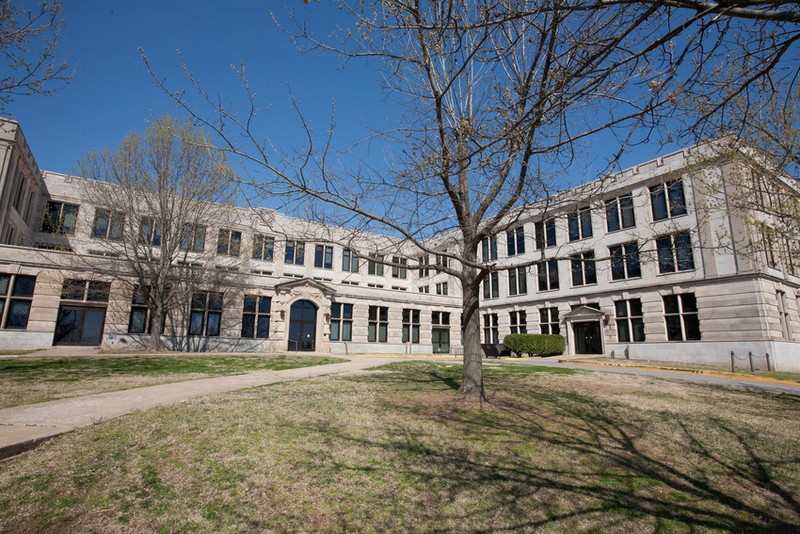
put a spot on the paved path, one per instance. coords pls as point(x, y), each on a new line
point(24, 427)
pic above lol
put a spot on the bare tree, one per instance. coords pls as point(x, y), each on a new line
point(499, 98)
point(28, 45)
point(154, 197)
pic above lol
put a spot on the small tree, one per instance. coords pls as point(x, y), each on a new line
point(28, 44)
point(154, 196)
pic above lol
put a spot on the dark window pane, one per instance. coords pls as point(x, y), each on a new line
point(677, 202)
point(577, 272)
point(138, 321)
point(348, 311)
point(247, 325)
point(689, 302)
point(683, 248)
point(24, 286)
point(263, 327)
point(623, 331)
point(638, 329)
point(632, 261)
point(591, 271)
point(674, 328)
point(671, 304)
point(572, 222)
point(18, 311)
point(199, 300)
point(626, 207)
point(347, 334)
point(586, 223)
point(4, 282)
point(98, 291)
point(264, 304)
point(617, 263)
point(249, 303)
point(68, 218)
point(666, 263)
point(100, 227)
point(621, 308)
point(335, 330)
point(73, 289)
point(196, 323)
point(612, 215)
point(212, 329)
point(635, 307)
point(692, 326)
point(553, 268)
point(215, 301)
point(659, 202)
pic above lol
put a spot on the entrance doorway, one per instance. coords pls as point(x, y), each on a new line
point(588, 338)
point(302, 326)
point(80, 325)
point(441, 340)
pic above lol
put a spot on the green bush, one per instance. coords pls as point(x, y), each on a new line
point(535, 344)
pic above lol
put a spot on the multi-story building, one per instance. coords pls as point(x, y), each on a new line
point(681, 258)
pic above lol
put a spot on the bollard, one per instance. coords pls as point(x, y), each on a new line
point(733, 362)
point(769, 363)
point(750, 357)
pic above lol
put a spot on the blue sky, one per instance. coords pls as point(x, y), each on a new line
point(112, 93)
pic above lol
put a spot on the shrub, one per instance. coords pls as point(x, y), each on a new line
point(535, 344)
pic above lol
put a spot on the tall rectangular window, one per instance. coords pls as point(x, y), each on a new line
point(108, 224)
point(15, 305)
point(783, 315)
point(584, 271)
point(149, 232)
point(442, 260)
point(424, 266)
point(256, 313)
point(206, 314)
point(491, 285)
point(139, 320)
point(619, 213)
point(295, 253)
point(675, 253)
point(441, 288)
point(547, 275)
point(263, 247)
point(630, 321)
point(518, 321)
point(681, 317)
point(517, 281)
point(515, 241)
point(410, 326)
point(59, 218)
point(399, 267)
point(229, 242)
point(491, 332)
point(375, 265)
point(489, 248)
point(548, 321)
point(667, 200)
point(378, 324)
point(341, 322)
point(545, 233)
point(579, 224)
point(193, 238)
point(323, 257)
point(349, 261)
point(625, 261)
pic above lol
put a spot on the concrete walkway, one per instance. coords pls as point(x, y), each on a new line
point(24, 427)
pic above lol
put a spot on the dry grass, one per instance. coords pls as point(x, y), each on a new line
point(397, 452)
point(30, 380)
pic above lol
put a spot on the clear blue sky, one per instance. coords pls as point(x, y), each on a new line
point(112, 93)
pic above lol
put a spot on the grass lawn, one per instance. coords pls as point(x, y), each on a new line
point(394, 451)
point(779, 375)
point(30, 380)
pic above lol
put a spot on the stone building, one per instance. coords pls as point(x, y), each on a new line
point(683, 258)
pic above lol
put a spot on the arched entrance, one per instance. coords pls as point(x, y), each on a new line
point(302, 326)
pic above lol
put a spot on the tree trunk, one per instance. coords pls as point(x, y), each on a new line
point(154, 345)
point(472, 381)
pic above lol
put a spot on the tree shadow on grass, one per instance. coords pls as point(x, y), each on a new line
point(544, 459)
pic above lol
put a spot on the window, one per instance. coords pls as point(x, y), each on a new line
point(206, 314)
point(680, 314)
point(425, 289)
point(193, 238)
point(545, 233)
point(139, 321)
point(440, 318)
point(441, 288)
point(295, 253)
point(674, 253)
point(667, 200)
point(583, 269)
point(263, 247)
point(410, 326)
point(59, 218)
point(515, 241)
point(16, 307)
point(375, 264)
point(580, 224)
point(783, 315)
point(519, 322)
point(341, 322)
point(349, 261)
point(424, 266)
point(488, 248)
point(85, 290)
point(491, 334)
point(517, 281)
point(619, 213)
point(149, 232)
point(442, 260)
point(548, 321)
point(491, 285)
point(255, 316)
point(630, 323)
point(323, 257)
point(399, 267)
point(547, 274)
point(108, 224)
point(378, 324)
point(229, 242)
point(625, 261)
